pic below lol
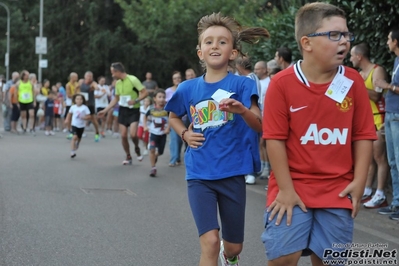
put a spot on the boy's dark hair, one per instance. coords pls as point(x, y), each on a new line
point(51, 93)
point(118, 66)
point(309, 18)
point(100, 77)
point(363, 49)
point(157, 91)
point(176, 72)
point(274, 71)
point(76, 95)
point(285, 53)
point(395, 35)
point(245, 62)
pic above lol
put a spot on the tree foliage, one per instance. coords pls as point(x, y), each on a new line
point(168, 28)
point(161, 35)
point(371, 22)
point(81, 35)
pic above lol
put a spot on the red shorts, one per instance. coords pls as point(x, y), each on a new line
point(143, 135)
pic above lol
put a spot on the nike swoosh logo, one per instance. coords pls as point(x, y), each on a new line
point(293, 110)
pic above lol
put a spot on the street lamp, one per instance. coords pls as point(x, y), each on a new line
point(8, 40)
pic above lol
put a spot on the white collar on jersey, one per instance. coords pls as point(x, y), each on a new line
point(299, 74)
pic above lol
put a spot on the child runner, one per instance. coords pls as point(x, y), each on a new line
point(13, 100)
point(49, 113)
point(222, 137)
point(143, 134)
point(58, 110)
point(319, 129)
point(79, 113)
point(157, 118)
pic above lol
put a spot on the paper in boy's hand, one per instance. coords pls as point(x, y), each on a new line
point(221, 94)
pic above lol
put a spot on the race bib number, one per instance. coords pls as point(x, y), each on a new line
point(86, 95)
point(339, 88)
point(26, 96)
point(123, 100)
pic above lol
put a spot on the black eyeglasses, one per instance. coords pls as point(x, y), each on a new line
point(335, 35)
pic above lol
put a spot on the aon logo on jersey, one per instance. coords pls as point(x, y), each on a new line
point(325, 136)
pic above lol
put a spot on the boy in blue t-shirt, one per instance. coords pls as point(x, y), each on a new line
point(222, 138)
point(49, 113)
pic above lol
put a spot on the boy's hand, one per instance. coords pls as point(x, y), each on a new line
point(145, 129)
point(355, 192)
point(285, 202)
point(232, 106)
point(193, 139)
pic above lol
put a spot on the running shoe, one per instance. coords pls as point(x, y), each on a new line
point(377, 201)
point(139, 156)
point(389, 210)
point(52, 133)
point(128, 160)
point(65, 130)
point(70, 136)
point(102, 134)
point(265, 173)
point(249, 179)
point(32, 132)
point(365, 198)
point(73, 154)
point(47, 133)
point(109, 131)
point(394, 216)
point(145, 152)
point(225, 261)
point(84, 135)
point(97, 138)
point(153, 172)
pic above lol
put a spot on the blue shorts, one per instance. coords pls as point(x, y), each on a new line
point(312, 231)
point(229, 195)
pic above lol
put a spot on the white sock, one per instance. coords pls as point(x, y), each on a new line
point(368, 191)
point(380, 192)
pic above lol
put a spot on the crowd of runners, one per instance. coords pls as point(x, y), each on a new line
point(221, 154)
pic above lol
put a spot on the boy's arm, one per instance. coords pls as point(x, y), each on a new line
point(251, 116)
point(192, 138)
point(362, 152)
point(145, 123)
point(287, 198)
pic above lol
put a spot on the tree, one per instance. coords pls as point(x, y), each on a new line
point(81, 35)
point(168, 28)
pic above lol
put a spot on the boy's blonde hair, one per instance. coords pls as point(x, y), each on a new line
point(309, 18)
point(239, 33)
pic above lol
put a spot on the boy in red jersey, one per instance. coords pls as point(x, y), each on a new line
point(319, 131)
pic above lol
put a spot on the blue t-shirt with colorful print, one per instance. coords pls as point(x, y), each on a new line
point(231, 148)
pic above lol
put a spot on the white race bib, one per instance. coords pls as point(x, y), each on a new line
point(86, 95)
point(339, 88)
point(124, 99)
point(158, 120)
point(26, 96)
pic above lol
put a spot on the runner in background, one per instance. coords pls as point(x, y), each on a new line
point(129, 92)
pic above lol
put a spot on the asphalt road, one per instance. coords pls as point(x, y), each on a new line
point(93, 211)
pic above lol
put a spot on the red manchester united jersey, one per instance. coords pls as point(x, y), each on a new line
point(318, 132)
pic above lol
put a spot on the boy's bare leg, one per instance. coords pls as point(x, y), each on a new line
point(210, 246)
